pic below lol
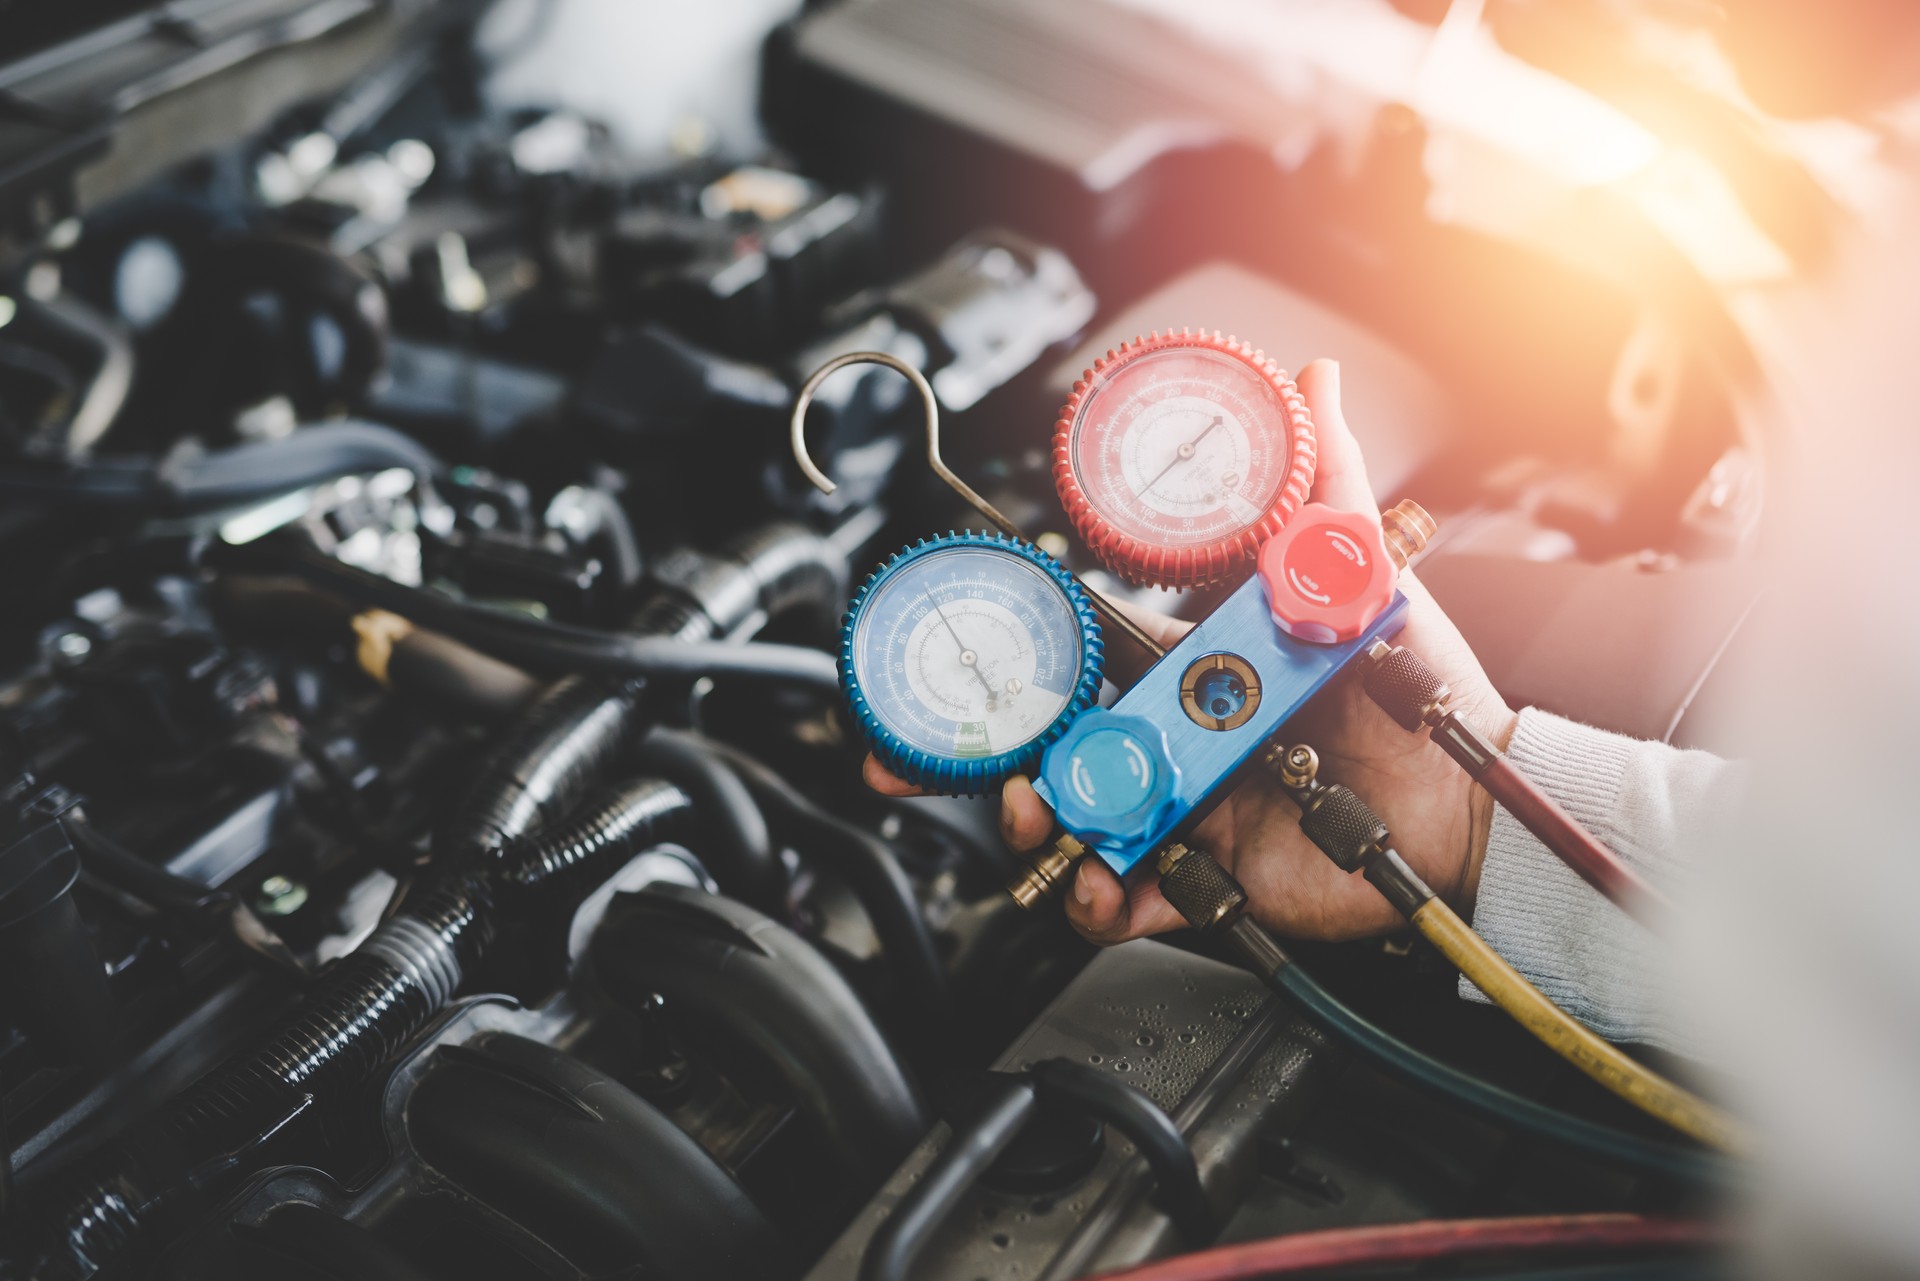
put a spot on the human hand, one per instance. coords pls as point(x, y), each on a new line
point(1438, 818)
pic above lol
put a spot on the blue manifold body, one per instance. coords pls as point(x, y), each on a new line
point(1125, 779)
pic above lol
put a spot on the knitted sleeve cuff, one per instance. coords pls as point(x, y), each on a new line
point(1588, 956)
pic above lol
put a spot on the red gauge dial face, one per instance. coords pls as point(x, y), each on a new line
point(1182, 446)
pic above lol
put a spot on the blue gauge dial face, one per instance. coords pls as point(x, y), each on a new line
point(968, 652)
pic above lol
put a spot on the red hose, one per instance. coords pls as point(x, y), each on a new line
point(1405, 1243)
point(1412, 693)
point(1597, 865)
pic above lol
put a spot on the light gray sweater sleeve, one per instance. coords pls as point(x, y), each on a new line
point(1647, 802)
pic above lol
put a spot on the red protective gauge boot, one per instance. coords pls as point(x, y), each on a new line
point(1178, 455)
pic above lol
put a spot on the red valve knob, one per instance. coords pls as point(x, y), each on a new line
point(1327, 575)
point(1179, 454)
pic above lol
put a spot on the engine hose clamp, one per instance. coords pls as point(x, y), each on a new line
point(421, 954)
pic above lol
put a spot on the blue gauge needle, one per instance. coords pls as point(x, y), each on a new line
point(1181, 455)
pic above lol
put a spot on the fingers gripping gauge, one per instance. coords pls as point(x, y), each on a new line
point(1179, 454)
point(964, 656)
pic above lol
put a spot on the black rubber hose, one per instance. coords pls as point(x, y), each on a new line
point(567, 738)
point(581, 1161)
point(566, 862)
point(795, 568)
point(1129, 1110)
point(750, 982)
point(459, 679)
point(281, 608)
point(430, 666)
point(739, 849)
point(360, 1012)
point(655, 658)
point(114, 864)
point(872, 871)
point(185, 481)
point(467, 682)
point(767, 571)
point(543, 646)
point(1503, 1107)
point(898, 1243)
point(373, 1001)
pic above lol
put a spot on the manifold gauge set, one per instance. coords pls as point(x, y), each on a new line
point(1183, 460)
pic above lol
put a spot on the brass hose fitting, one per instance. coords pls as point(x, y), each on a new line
point(1046, 872)
point(1297, 767)
point(1406, 528)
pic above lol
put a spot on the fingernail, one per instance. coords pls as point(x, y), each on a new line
point(1082, 892)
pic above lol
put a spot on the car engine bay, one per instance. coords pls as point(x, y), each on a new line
point(432, 836)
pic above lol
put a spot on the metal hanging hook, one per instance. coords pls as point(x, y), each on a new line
point(931, 407)
point(1109, 615)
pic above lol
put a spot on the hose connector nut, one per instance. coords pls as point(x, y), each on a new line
point(1404, 687)
point(1344, 827)
point(1199, 888)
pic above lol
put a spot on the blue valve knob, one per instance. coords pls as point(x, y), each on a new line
point(1112, 782)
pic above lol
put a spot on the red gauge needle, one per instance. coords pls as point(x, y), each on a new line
point(1181, 455)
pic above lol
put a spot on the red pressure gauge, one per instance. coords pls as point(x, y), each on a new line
point(1179, 454)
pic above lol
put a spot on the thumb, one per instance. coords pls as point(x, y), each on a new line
point(1340, 474)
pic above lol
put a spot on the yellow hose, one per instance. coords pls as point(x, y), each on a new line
point(1504, 985)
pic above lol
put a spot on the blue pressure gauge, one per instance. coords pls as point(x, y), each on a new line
point(964, 656)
